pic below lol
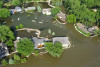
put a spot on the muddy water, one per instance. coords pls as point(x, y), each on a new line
point(85, 52)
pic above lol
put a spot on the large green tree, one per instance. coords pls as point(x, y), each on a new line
point(71, 18)
point(54, 49)
point(16, 2)
point(4, 13)
point(6, 33)
point(25, 46)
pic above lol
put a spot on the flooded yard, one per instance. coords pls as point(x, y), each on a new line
point(84, 52)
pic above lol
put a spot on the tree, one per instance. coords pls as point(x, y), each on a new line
point(1, 3)
point(54, 49)
point(55, 10)
point(6, 33)
point(16, 2)
point(71, 18)
point(10, 43)
point(4, 62)
point(4, 13)
point(11, 61)
point(16, 57)
point(25, 46)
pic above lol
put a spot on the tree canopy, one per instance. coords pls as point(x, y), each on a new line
point(6, 33)
point(83, 10)
point(54, 49)
point(55, 10)
point(4, 13)
point(25, 46)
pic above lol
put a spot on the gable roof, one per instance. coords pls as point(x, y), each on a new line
point(29, 8)
point(38, 41)
point(63, 40)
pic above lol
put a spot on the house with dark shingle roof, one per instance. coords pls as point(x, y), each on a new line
point(3, 50)
point(38, 43)
point(64, 40)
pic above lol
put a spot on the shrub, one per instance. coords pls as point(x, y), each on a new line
point(17, 27)
point(4, 62)
point(21, 26)
point(23, 60)
point(54, 49)
point(55, 10)
point(11, 61)
point(16, 57)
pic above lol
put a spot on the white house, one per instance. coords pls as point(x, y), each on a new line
point(29, 8)
point(46, 11)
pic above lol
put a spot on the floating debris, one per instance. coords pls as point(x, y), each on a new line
point(18, 18)
point(49, 31)
point(40, 22)
point(33, 20)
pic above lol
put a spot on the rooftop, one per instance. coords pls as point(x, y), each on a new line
point(29, 8)
point(38, 41)
point(46, 11)
point(82, 27)
point(62, 16)
point(3, 50)
point(63, 40)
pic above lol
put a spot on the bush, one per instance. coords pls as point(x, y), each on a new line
point(11, 61)
point(36, 52)
point(16, 57)
point(55, 10)
point(54, 49)
point(4, 62)
point(23, 60)
point(17, 27)
point(21, 26)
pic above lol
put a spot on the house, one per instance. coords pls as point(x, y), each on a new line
point(61, 16)
point(82, 27)
point(46, 11)
point(3, 50)
point(17, 9)
point(64, 40)
point(29, 8)
point(38, 43)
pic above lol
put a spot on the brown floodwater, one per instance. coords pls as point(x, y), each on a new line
point(84, 52)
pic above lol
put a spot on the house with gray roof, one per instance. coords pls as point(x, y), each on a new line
point(38, 43)
point(17, 9)
point(64, 40)
point(3, 50)
point(46, 11)
point(29, 8)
